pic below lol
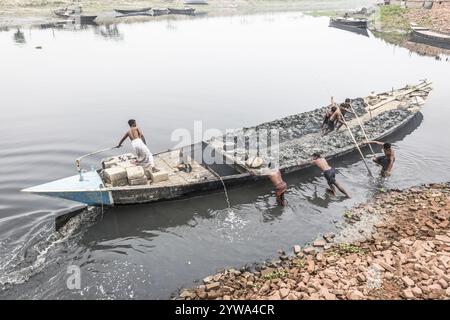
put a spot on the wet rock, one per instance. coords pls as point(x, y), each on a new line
point(319, 243)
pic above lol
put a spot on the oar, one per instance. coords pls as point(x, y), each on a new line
point(362, 128)
point(357, 146)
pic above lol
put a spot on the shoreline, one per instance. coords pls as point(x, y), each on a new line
point(35, 12)
point(395, 246)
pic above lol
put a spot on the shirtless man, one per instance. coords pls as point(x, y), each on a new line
point(387, 160)
point(338, 116)
point(329, 174)
point(144, 156)
point(326, 119)
point(275, 177)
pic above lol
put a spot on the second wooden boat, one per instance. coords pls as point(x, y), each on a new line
point(186, 11)
point(350, 22)
point(133, 11)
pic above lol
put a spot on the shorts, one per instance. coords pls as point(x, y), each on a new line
point(330, 175)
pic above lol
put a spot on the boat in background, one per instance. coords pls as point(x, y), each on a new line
point(186, 11)
point(67, 14)
point(350, 22)
point(160, 11)
point(195, 2)
point(117, 181)
point(360, 31)
point(133, 11)
point(429, 37)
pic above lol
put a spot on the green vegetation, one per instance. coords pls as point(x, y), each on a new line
point(393, 17)
point(346, 248)
point(275, 275)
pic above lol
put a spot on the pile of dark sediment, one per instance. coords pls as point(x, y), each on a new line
point(300, 135)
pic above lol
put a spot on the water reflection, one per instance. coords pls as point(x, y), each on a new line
point(19, 37)
point(109, 31)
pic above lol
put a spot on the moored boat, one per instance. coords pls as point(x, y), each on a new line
point(432, 38)
point(195, 2)
point(186, 11)
point(360, 31)
point(160, 11)
point(76, 17)
point(133, 11)
point(350, 22)
point(300, 135)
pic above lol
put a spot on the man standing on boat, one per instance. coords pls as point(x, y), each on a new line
point(144, 156)
point(387, 160)
point(329, 173)
point(327, 124)
point(338, 116)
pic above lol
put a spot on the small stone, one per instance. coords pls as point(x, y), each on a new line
point(212, 286)
point(319, 243)
point(417, 291)
point(297, 249)
point(407, 280)
point(355, 295)
point(408, 294)
point(308, 250)
point(284, 292)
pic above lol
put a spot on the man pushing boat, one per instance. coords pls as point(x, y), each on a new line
point(329, 173)
point(387, 160)
point(144, 156)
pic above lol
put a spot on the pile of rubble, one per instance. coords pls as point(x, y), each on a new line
point(438, 18)
point(121, 171)
point(406, 256)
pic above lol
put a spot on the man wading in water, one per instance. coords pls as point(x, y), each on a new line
point(386, 161)
point(329, 173)
point(144, 156)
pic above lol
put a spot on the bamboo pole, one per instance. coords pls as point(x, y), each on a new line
point(362, 128)
point(359, 149)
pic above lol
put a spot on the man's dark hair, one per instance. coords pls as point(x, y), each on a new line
point(333, 108)
point(347, 100)
point(387, 146)
point(316, 155)
point(131, 122)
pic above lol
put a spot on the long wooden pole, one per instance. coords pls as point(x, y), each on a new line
point(357, 146)
point(362, 128)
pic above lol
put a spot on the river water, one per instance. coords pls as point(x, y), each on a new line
point(76, 93)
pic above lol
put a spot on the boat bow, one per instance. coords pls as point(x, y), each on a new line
point(90, 190)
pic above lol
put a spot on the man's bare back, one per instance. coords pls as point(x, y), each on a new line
point(135, 133)
point(321, 163)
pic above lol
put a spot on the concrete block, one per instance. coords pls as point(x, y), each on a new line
point(158, 176)
point(135, 172)
point(109, 163)
point(126, 164)
point(138, 182)
point(114, 175)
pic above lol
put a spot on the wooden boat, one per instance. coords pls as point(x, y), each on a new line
point(133, 11)
point(76, 17)
point(350, 22)
point(432, 38)
point(196, 2)
point(360, 31)
point(160, 11)
point(186, 11)
point(382, 115)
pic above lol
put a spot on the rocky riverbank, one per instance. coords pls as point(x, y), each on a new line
point(396, 246)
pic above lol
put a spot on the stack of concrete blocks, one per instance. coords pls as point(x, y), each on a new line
point(136, 176)
point(119, 171)
point(156, 176)
point(115, 176)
